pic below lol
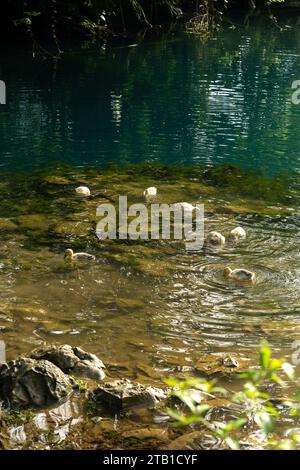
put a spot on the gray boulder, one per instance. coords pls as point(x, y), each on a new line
point(72, 360)
point(27, 382)
point(122, 394)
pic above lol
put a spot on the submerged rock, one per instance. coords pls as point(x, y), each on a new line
point(187, 441)
point(223, 364)
point(57, 180)
point(37, 222)
point(27, 382)
point(123, 394)
point(7, 225)
point(151, 432)
point(72, 360)
point(73, 228)
point(195, 440)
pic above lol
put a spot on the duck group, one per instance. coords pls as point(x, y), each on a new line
point(213, 239)
point(217, 240)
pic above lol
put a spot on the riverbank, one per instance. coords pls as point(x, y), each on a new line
point(57, 23)
point(66, 398)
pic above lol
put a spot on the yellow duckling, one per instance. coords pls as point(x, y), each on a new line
point(237, 233)
point(71, 256)
point(150, 192)
point(240, 275)
point(83, 191)
point(215, 239)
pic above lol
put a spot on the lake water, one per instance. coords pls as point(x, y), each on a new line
point(205, 123)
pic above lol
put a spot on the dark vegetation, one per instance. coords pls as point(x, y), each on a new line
point(58, 20)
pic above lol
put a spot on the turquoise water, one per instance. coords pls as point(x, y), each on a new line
point(172, 101)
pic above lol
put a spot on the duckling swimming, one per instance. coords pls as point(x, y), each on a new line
point(215, 239)
point(240, 275)
point(150, 192)
point(237, 233)
point(83, 191)
point(71, 256)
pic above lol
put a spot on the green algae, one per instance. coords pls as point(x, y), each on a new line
point(45, 210)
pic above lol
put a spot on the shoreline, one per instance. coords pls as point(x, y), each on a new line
point(55, 30)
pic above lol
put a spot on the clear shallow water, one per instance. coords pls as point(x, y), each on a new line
point(150, 309)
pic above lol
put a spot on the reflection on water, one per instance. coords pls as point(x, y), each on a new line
point(175, 100)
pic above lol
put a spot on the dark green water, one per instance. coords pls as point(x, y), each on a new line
point(172, 101)
point(220, 116)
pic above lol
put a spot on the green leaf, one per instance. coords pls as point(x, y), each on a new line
point(264, 354)
point(201, 409)
point(249, 375)
point(171, 382)
point(285, 444)
point(32, 13)
point(232, 443)
point(182, 420)
point(270, 409)
point(276, 379)
point(220, 390)
point(185, 397)
point(233, 425)
point(264, 421)
point(275, 364)
point(250, 390)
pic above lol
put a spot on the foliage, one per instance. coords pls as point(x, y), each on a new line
point(257, 407)
point(100, 17)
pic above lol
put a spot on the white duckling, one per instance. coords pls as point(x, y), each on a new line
point(83, 191)
point(240, 275)
point(71, 256)
point(150, 192)
point(215, 239)
point(237, 233)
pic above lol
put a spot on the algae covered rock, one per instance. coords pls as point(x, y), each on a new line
point(188, 441)
point(57, 180)
point(73, 228)
point(7, 225)
point(222, 364)
point(37, 222)
point(122, 394)
point(27, 382)
point(148, 433)
point(72, 360)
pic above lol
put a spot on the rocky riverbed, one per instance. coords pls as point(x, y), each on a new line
point(44, 405)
